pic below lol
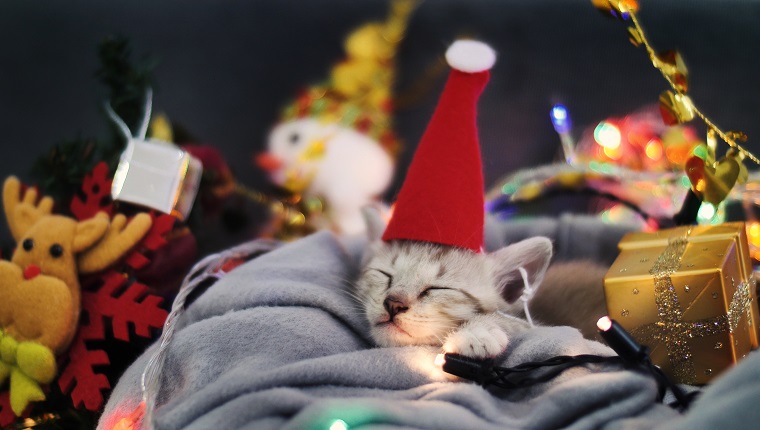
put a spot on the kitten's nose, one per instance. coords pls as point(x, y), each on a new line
point(394, 306)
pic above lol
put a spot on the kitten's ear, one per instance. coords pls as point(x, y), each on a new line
point(374, 222)
point(531, 254)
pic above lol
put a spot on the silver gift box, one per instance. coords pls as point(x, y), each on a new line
point(158, 175)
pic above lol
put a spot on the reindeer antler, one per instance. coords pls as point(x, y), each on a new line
point(120, 237)
point(23, 211)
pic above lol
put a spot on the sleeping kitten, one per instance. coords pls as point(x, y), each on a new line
point(418, 293)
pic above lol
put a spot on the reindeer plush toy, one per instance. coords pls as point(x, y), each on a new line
point(39, 287)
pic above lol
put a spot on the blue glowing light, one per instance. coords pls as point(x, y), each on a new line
point(560, 119)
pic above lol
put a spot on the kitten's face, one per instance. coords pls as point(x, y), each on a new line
point(417, 293)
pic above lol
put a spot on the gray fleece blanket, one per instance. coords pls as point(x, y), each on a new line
point(277, 343)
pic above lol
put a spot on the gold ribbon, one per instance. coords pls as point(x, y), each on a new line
point(28, 364)
point(671, 329)
point(741, 304)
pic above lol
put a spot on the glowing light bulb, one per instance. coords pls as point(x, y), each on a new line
point(125, 424)
point(132, 420)
point(440, 360)
point(338, 425)
point(653, 150)
point(560, 119)
point(563, 125)
point(613, 153)
point(607, 135)
point(604, 323)
point(753, 230)
point(700, 151)
point(706, 212)
point(605, 216)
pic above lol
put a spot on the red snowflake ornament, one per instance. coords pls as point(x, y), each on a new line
point(96, 188)
point(155, 239)
point(121, 302)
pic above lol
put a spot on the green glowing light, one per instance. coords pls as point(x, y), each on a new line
point(700, 151)
point(685, 181)
point(706, 213)
point(606, 168)
point(338, 425)
point(509, 188)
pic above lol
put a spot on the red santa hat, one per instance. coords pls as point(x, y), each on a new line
point(442, 198)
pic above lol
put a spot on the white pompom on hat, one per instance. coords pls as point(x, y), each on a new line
point(470, 56)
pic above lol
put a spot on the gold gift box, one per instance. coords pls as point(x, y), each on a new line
point(689, 294)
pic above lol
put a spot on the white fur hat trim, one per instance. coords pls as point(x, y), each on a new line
point(470, 56)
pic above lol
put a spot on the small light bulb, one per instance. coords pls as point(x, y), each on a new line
point(560, 119)
point(604, 323)
point(621, 341)
point(706, 213)
point(440, 360)
point(338, 425)
point(131, 421)
point(607, 135)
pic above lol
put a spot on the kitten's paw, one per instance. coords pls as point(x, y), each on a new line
point(477, 341)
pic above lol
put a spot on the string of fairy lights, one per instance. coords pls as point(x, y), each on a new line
point(670, 64)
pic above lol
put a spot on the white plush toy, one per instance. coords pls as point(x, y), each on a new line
point(345, 168)
point(335, 142)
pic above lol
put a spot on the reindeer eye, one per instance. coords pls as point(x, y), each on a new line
point(56, 250)
point(28, 244)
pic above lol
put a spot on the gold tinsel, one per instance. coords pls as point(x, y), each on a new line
point(677, 108)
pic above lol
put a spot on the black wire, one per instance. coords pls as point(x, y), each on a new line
point(533, 373)
point(485, 373)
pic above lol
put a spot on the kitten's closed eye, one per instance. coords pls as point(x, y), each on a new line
point(377, 273)
point(426, 292)
point(383, 272)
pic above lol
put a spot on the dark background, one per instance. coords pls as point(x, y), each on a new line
point(226, 68)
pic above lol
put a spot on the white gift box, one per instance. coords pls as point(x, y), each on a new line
point(158, 175)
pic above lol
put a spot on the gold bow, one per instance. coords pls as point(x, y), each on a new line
point(28, 364)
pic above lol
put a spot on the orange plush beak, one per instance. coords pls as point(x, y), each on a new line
point(268, 162)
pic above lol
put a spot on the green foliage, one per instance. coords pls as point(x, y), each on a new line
point(126, 81)
point(60, 172)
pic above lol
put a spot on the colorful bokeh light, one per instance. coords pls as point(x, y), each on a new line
point(753, 236)
point(613, 152)
point(710, 214)
point(654, 149)
point(700, 151)
point(607, 135)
